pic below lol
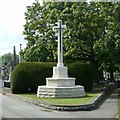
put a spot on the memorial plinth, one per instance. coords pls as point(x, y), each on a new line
point(60, 85)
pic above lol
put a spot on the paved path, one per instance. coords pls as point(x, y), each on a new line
point(1, 83)
point(12, 108)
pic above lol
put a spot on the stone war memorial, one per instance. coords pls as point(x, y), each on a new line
point(60, 85)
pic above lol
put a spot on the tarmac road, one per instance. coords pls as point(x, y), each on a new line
point(12, 108)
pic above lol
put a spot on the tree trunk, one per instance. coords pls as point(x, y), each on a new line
point(111, 75)
point(96, 71)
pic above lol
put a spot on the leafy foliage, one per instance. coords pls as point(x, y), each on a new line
point(6, 59)
point(108, 49)
point(92, 32)
point(40, 46)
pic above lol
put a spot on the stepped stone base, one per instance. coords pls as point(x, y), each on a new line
point(60, 82)
point(60, 92)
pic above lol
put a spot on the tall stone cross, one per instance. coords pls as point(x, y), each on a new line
point(60, 27)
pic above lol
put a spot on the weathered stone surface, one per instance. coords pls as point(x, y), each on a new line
point(60, 72)
point(60, 82)
point(60, 92)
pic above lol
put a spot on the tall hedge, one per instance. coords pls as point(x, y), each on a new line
point(28, 75)
point(85, 74)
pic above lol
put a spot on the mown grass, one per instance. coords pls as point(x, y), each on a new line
point(65, 101)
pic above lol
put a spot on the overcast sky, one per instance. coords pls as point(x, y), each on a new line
point(12, 20)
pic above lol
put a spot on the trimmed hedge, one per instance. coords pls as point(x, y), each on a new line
point(27, 76)
point(85, 74)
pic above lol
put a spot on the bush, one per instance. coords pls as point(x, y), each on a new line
point(26, 77)
point(84, 74)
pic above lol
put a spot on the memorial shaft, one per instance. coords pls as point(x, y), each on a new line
point(60, 47)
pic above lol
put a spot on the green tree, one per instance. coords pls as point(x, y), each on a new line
point(108, 49)
point(85, 26)
point(79, 36)
point(6, 59)
point(92, 32)
point(40, 45)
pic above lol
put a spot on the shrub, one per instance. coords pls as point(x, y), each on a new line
point(27, 76)
point(84, 74)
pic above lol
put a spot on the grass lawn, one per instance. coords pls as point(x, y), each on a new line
point(65, 101)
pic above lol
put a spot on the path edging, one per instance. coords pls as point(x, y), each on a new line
point(87, 107)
